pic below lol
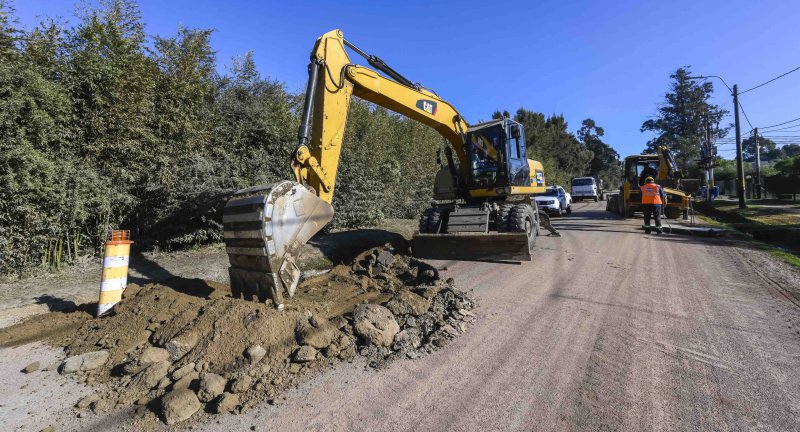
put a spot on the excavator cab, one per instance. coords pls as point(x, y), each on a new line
point(497, 155)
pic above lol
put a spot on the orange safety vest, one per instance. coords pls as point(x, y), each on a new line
point(651, 194)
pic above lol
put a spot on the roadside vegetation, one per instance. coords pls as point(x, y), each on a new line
point(789, 256)
point(103, 126)
point(767, 212)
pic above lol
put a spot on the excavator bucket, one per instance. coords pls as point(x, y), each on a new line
point(265, 227)
point(473, 246)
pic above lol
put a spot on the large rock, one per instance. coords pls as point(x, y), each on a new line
point(153, 355)
point(406, 302)
point(87, 401)
point(319, 336)
point(211, 386)
point(304, 354)
point(241, 384)
point(385, 259)
point(33, 367)
point(407, 340)
point(255, 353)
point(182, 344)
point(183, 371)
point(133, 367)
point(226, 403)
point(178, 405)
point(375, 324)
point(84, 362)
point(151, 376)
point(188, 381)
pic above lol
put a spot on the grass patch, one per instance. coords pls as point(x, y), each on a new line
point(708, 220)
point(765, 212)
point(790, 258)
point(315, 263)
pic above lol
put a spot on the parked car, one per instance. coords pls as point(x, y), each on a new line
point(554, 200)
point(586, 188)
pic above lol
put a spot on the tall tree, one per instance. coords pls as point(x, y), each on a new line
point(9, 33)
point(768, 148)
point(113, 85)
point(680, 124)
point(549, 142)
point(605, 160)
point(791, 150)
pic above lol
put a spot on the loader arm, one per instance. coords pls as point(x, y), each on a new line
point(333, 80)
point(667, 168)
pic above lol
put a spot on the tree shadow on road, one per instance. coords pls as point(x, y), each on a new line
point(153, 272)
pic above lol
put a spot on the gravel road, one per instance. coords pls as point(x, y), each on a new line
point(608, 329)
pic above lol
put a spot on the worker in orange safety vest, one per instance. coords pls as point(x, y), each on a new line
point(653, 197)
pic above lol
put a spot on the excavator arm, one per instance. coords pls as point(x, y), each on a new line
point(333, 80)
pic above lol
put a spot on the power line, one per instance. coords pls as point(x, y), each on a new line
point(767, 82)
point(780, 124)
point(745, 116)
point(787, 128)
point(777, 136)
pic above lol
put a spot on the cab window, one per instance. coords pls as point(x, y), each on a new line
point(513, 145)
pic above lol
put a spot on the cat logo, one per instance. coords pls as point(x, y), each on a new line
point(428, 106)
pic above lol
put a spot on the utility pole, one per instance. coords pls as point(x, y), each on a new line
point(739, 161)
point(758, 164)
point(708, 159)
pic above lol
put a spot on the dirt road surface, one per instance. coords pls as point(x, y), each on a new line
point(608, 329)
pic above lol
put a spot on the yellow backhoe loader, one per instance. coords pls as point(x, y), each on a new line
point(663, 168)
point(483, 208)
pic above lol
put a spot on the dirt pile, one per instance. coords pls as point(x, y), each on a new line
point(187, 346)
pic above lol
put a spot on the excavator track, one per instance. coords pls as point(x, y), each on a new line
point(265, 227)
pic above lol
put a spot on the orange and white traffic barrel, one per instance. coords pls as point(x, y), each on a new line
point(115, 270)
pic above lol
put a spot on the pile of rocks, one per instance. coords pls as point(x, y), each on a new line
point(184, 388)
point(178, 355)
point(413, 322)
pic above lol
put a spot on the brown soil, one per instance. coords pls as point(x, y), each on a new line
point(220, 329)
point(45, 326)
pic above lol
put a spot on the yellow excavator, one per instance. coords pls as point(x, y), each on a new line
point(483, 205)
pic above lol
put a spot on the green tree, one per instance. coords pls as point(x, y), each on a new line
point(9, 33)
point(768, 148)
point(605, 160)
point(791, 150)
point(549, 142)
point(113, 87)
point(788, 166)
point(681, 120)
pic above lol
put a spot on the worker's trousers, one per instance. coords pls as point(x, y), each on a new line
point(650, 210)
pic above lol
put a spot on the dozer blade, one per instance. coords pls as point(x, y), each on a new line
point(472, 246)
point(265, 227)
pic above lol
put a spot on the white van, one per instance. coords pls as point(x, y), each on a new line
point(585, 188)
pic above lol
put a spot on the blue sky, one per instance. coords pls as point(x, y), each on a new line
point(610, 61)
